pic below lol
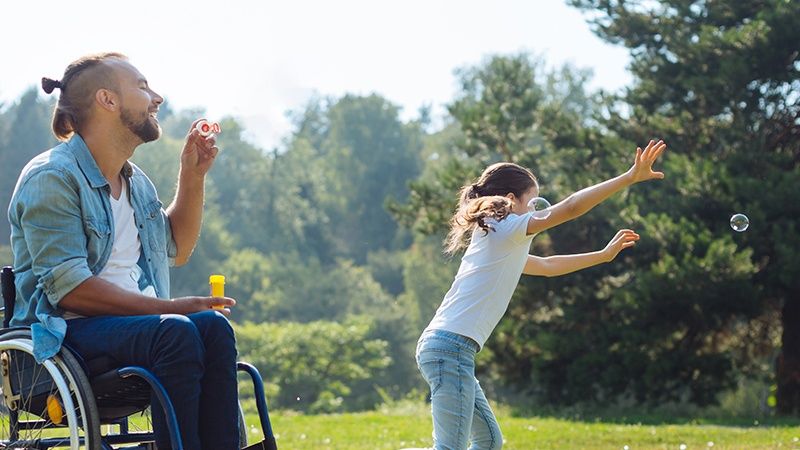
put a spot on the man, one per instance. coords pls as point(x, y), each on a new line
point(92, 246)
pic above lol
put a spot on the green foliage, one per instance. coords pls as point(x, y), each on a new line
point(494, 109)
point(332, 244)
point(316, 364)
point(357, 153)
point(720, 80)
point(678, 318)
point(427, 274)
point(288, 287)
point(247, 280)
point(24, 133)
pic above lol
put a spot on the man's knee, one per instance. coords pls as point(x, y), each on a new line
point(213, 325)
point(177, 334)
point(176, 325)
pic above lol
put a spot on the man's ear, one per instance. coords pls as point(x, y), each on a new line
point(107, 99)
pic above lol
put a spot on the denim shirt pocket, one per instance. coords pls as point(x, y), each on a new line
point(98, 237)
point(155, 227)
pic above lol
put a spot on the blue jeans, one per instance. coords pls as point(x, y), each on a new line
point(459, 407)
point(193, 356)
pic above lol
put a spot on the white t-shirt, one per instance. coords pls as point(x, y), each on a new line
point(122, 268)
point(488, 275)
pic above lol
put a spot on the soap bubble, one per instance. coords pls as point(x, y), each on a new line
point(540, 208)
point(739, 222)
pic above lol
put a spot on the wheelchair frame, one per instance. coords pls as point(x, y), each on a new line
point(129, 385)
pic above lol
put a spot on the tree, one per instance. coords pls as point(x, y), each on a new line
point(721, 80)
point(26, 134)
point(360, 153)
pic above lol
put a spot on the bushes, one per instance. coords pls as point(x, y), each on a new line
point(315, 366)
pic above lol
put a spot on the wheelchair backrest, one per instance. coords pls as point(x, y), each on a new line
point(9, 294)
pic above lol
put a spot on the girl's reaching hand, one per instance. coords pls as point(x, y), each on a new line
point(642, 169)
point(623, 239)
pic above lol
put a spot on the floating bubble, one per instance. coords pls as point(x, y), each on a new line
point(540, 208)
point(298, 399)
point(739, 222)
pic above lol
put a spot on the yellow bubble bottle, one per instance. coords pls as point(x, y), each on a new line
point(217, 283)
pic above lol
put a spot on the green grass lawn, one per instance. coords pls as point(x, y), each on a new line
point(412, 428)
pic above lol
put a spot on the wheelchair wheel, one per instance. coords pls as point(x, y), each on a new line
point(242, 428)
point(44, 406)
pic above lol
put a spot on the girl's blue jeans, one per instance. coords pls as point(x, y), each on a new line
point(461, 413)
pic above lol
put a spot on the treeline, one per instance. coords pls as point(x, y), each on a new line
point(332, 243)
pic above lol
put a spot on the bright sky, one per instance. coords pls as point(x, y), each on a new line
point(257, 60)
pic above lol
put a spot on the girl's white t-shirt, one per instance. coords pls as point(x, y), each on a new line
point(488, 275)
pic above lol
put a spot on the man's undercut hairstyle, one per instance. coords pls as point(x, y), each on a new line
point(81, 81)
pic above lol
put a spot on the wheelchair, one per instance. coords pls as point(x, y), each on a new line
point(65, 402)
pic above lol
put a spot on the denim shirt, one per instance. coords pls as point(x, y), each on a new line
point(62, 231)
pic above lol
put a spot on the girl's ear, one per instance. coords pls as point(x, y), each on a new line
point(511, 196)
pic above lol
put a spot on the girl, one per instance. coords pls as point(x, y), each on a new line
point(494, 211)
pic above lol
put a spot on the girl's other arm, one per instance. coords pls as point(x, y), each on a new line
point(553, 266)
point(584, 200)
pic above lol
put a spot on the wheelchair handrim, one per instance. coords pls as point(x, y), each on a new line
point(53, 367)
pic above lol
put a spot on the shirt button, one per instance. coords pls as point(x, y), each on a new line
point(141, 226)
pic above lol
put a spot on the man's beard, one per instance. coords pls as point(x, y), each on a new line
point(143, 128)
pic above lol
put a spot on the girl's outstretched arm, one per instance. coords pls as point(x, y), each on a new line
point(552, 266)
point(584, 200)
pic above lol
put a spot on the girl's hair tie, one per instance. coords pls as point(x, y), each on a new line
point(475, 191)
